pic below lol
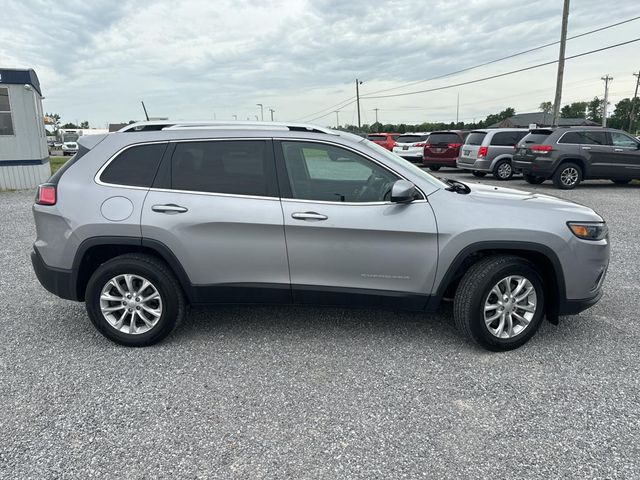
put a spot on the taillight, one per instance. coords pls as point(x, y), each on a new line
point(482, 151)
point(46, 195)
point(541, 148)
point(454, 145)
point(420, 145)
point(427, 145)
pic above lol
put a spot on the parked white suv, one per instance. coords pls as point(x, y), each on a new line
point(410, 146)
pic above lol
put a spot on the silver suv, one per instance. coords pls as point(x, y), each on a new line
point(141, 223)
point(490, 151)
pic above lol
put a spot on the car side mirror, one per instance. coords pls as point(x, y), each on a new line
point(403, 191)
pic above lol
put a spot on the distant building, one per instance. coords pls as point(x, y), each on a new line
point(24, 157)
point(541, 119)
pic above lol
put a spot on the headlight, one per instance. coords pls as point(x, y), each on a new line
point(589, 230)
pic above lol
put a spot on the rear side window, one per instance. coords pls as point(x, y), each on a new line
point(507, 139)
point(475, 138)
point(237, 167)
point(536, 137)
point(444, 137)
point(136, 166)
point(571, 137)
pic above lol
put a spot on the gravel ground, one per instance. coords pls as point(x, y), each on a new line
point(274, 392)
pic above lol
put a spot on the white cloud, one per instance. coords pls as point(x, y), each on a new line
point(191, 59)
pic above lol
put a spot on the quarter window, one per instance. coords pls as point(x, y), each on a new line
point(6, 122)
point(136, 166)
point(506, 139)
point(571, 137)
point(333, 174)
point(238, 167)
point(621, 140)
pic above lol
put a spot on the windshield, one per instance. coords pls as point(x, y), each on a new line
point(444, 137)
point(70, 137)
point(411, 138)
point(397, 160)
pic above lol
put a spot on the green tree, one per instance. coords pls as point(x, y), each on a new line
point(622, 114)
point(69, 125)
point(84, 124)
point(574, 110)
point(594, 109)
point(546, 107)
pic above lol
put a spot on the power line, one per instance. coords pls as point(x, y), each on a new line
point(320, 111)
point(505, 58)
point(491, 77)
point(342, 105)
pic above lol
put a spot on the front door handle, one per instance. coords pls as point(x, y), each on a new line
point(586, 148)
point(308, 216)
point(618, 150)
point(169, 208)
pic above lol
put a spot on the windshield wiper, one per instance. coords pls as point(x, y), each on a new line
point(456, 186)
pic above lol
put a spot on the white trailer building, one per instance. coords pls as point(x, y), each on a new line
point(24, 157)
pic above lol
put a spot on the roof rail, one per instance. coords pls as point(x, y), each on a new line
point(151, 125)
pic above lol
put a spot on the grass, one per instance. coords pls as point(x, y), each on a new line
point(57, 162)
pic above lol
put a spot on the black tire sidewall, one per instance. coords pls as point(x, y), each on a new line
point(478, 327)
point(434, 168)
point(168, 295)
point(533, 180)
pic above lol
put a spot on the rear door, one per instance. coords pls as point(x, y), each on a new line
point(625, 155)
point(215, 206)
point(595, 147)
point(346, 242)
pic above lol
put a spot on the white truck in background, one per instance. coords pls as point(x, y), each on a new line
point(68, 137)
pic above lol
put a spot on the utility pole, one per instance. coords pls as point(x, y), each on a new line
point(606, 79)
point(261, 111)
point(457, 109)
point(337, 119)
point(563, 43)
point(358, 83)
point(376, 110)
point(272, 111)
point(633, 103)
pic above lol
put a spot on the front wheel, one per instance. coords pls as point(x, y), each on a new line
point(434, 168)
point(478, 174)
point(503, 170)
point(499, 302)
point(532, 179)
point(568, 176)
point(134, 300)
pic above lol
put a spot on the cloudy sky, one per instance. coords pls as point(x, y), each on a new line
point(196, 59)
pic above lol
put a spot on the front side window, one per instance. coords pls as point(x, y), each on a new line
point(333, 174)
point(6, 122)
point(135, 166)
point(594, 138)
point(621, 140)
point(237, 167)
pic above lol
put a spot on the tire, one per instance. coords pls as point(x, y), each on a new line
point(475, 291)
point(620, 181)
point(532, 179)
point(503, 171)
point(478, 174)
point(434, 168)
point(171, 304)
point(568, 176)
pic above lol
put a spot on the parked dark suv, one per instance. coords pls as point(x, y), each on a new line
point(570, 155)
point(442, 149)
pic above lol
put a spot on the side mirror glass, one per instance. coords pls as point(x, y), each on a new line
point(403, 191)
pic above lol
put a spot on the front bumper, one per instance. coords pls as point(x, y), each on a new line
point(573, 307)
point(58, 281)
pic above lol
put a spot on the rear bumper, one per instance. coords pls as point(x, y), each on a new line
point(474, 164)
point(540, 167)
point(58, 281)
point(439, 162)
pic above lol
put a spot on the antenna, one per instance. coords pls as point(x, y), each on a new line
point(145, 110)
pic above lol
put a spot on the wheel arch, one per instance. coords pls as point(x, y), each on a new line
point(544, 259)
point(94, 251)
point(573, 159)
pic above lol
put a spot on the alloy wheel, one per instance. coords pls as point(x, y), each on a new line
point(510, 307)
point(504, 170)
point(569, 176)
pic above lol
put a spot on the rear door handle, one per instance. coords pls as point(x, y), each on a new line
point(586, 148)
point(169, 208)
point(308, 216)
point(618, 150)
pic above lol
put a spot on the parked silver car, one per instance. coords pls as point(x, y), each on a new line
point(490, 151)
point(410, 146)
point(139, 224)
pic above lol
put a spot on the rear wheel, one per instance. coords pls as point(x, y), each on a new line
point(434, 168)
point(620, 181)
point(503, 170)
point(478, 174)
point(568, 176)
point(134, 300)
point(499, 302)
point(532, 179)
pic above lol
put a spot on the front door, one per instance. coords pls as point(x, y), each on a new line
point(626, 155)
point(215, 206)
point(346, 242)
